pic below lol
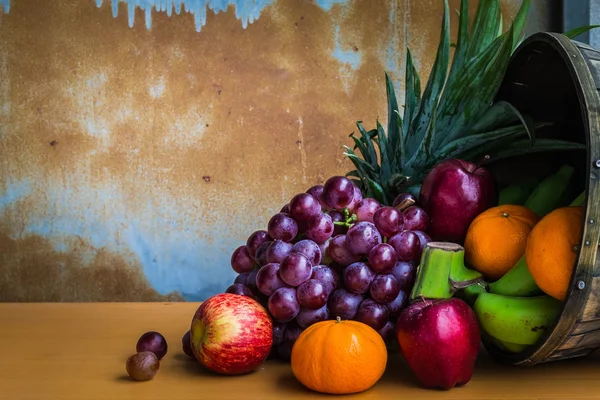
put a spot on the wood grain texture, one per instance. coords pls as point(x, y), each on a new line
point(562, 77)
point(72, 351)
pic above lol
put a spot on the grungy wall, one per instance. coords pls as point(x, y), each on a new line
point(141, 144)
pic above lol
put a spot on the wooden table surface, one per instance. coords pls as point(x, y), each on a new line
point(78, 351)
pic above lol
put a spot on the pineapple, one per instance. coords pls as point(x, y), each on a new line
point(455, 116)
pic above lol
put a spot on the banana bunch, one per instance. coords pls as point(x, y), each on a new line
point(513, 312)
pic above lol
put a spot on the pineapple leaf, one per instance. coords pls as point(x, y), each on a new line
point(473, 90)
point(377, 190)
point(502, 113)
point(413, 95)
point(425, 150)
point(462, 41)
point(459, 146)
point(394, 133)
point(366, 139)
point(361, 165)
point(382, 142)
point(573, 33)
point(485, 27)
point(353, 173)
point(521, 147)
point(399, 156)
point(519, 23)
point(433, 89)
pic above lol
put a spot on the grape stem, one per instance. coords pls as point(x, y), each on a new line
point(442, 272)
point(349, 219)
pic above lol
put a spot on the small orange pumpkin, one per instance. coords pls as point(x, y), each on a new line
point(339, 357)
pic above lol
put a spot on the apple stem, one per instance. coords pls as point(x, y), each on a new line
point(442, 272)
point(485, 158)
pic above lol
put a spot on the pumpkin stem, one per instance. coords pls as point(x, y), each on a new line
point(338, 319)
point(442, 272)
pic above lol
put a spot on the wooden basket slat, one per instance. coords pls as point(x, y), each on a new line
point(585, 327)
point(591, 312)
point(570, 353)
point(584, 340)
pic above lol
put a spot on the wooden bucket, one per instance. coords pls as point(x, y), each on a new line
point(553, 78)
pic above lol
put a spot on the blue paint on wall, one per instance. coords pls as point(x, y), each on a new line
point(350, 57)
point(14, 192)
point(176, 252)
point(246, 11)
point(5, 5)
point(328, 4)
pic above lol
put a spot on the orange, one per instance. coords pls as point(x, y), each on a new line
point(339, 357)
point(496, 239)
point(552, 250)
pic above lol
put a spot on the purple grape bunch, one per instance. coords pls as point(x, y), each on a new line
point(331, 253)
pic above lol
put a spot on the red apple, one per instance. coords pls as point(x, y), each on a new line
point(439, 339)
point(231, 334)
point(453, 193)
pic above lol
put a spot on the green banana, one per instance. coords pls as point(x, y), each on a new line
point(517, 320)
point(548, 193)
point(516, 282)
point(517, 193)
point(508, 346)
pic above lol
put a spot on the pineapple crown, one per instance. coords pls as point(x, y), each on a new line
point(455, 116)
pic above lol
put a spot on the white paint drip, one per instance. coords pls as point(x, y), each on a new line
point(303, 158)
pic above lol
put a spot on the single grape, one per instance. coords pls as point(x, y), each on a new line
point(317, 192)
point(295, 269)
point(382, 258)
point(404, 200)
point(358, 277)
point(407, 245)
point(319, 228)
point(423, 239)
point(344, 304)
point(361, 238)
point(255, 240)
point(251, 283)
point(142, 366)
point(242, 278)
point(261, 253)
point(303, 206)
point(388, 221)
point(241, 260)
point(339, 252)
point(283, 227)
point(285, 209)
point(154, 342)
point(312, 294)
point(327, 276)
point(278, 250)
point(337, 216)
point(356, 198)
point(396, 306)
point(388, 332)
point(366, 208)
point(325, 257)
point(310, 249)
point(283, 304)
point(278, 333)
point(405, 273)
point(415, 219)
point(268, 280)
point(291, 333)
point(338, 192)
point(238, 288)
point(385, 288)
point(306, 317)
point(373, 314)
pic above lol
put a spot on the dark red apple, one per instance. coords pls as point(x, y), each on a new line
point(453, 193)
point(231, 334)
point(439, 339)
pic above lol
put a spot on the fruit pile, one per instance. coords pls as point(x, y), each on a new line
point(331, 253)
